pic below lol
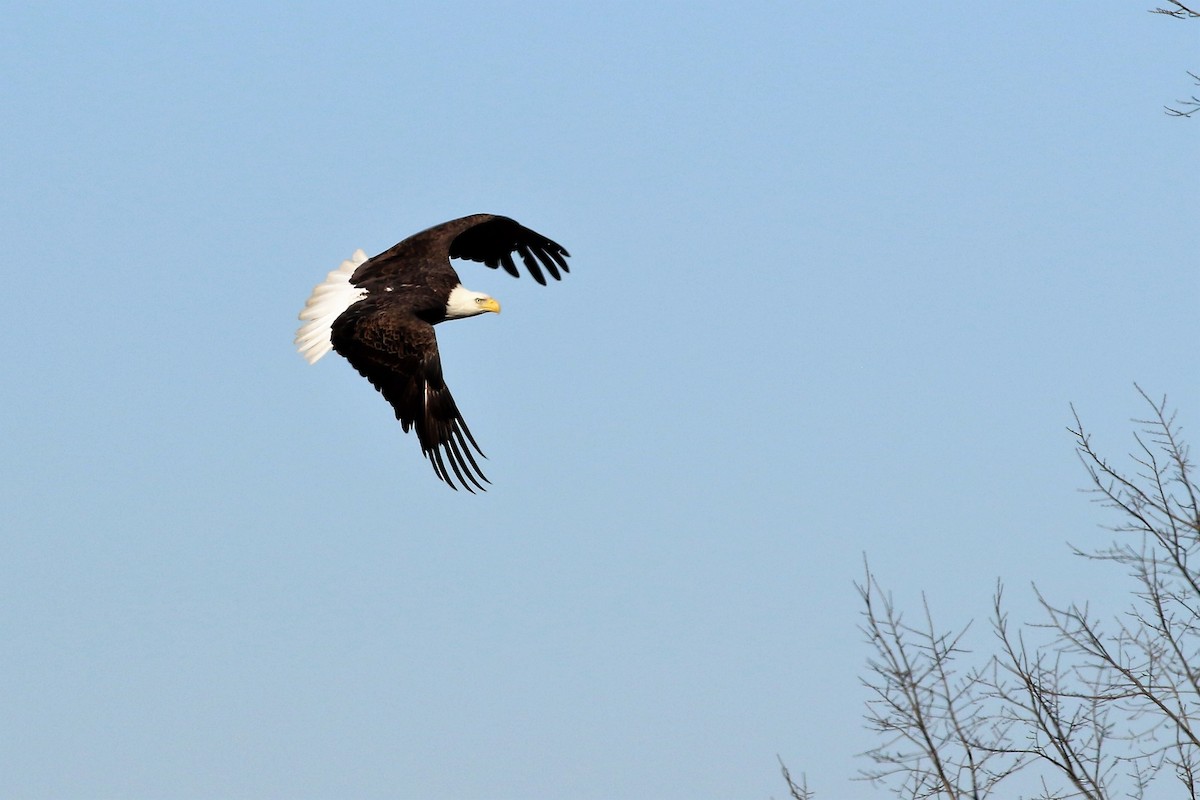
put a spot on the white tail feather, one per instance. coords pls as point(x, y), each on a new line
point(326, 303)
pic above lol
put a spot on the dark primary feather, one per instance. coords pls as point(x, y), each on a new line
point(388, 336)
point(494, 241)
point(398, 354)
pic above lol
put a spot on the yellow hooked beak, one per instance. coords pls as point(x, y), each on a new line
point(490, 305)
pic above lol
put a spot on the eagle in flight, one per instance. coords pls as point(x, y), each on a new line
point(379, 314)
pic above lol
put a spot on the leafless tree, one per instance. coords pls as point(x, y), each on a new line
point(1083, 705)
point(1146, 663)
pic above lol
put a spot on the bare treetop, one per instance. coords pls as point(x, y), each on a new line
point(1083, 703)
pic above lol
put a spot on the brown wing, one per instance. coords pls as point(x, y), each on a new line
point(424, 258)
point(398, 354)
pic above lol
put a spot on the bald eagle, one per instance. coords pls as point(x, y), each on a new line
point(379, 314)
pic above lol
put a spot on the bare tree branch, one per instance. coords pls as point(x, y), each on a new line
point(796, 791)
point(1178, 11)
point(1191, 105)
point(939, 742)
point(1187, 106)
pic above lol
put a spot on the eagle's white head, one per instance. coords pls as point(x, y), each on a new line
point(465, 303)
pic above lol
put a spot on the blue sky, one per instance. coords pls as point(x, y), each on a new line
point(838, 272)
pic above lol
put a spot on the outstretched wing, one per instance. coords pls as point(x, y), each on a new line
point(494, 239)
point(398, 354)
point(424, 258)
